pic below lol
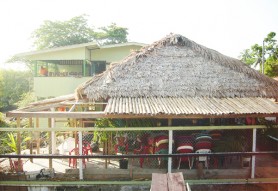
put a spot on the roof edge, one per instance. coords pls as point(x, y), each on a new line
point(89, 45)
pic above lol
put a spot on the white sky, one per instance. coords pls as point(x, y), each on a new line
point(228, 26)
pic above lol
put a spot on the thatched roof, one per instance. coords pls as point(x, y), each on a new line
point(178, 67)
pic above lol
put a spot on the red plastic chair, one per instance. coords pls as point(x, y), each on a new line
point(203, 145)
point(203, 141)
point(185, 145)
point(145, 147)
point(87, 148)
point(185, 148)
point(16, 165)
point(161, 147)
point(204, 159)
point(73, 161)
point(215, 135)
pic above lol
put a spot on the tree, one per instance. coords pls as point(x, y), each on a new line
point(112, 34)
point(268, 51)
point(76, 31)
point(13, 84)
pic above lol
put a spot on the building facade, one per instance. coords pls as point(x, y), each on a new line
point(58, 71)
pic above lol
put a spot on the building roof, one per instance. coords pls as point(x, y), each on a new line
point(190, 106)
point(179, 68)
point(89, 45)
point(172, 78)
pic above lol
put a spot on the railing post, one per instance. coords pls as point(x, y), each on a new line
point(50, 164)
point(254, 150)
point(18, 145)
point(80, 146)
point(170, 146)
point(53, 137)
point(31, 141)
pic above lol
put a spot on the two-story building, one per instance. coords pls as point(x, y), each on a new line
point(58, 71)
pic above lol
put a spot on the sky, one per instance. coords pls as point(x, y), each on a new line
point(227, 26)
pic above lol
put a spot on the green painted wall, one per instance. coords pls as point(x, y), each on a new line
point(56, 86)
point(113, 54)
point(70, 54)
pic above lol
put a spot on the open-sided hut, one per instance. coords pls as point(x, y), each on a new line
point(174, 78)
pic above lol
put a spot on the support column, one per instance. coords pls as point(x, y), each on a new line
point(31, 141)
point(84, 68)
point(53, 137)
point(170, 146)
point(18, 145)
point(35, 69)
point(80, 153)
point(50, 164)
point(39, 136)
point(254, 150)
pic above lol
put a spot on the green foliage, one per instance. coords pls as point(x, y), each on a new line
point(112, 34)
point(13, 84)
point(102, 123)
point(25, 99)
point(21, 60)
point(76, 31)
point(253, 56)
point(3, 122)
point(11, 142)
point(247, 57)
point(61, 33)
point(231, 144)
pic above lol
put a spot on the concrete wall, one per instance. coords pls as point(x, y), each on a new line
point(56, 86)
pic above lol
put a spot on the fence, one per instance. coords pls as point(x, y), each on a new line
point(200, 152)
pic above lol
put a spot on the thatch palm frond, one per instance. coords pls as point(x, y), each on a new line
point(178, 67)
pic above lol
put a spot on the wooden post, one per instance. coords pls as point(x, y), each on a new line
point(31, 141)
point(254, 150)
point(75, 133)
point(170, 146)
point(38, 133)
point(18, 145)
point(105, 153)
point(110, 146)
point(50, 164)
point(53, 137)
point(80, 153)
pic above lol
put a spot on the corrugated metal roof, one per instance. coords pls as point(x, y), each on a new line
point(190, 106)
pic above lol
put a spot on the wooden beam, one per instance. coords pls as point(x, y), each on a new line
point(88, 183)
point(41, 107)
point(73, 115)
point(97, 114)
point(139, 128)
